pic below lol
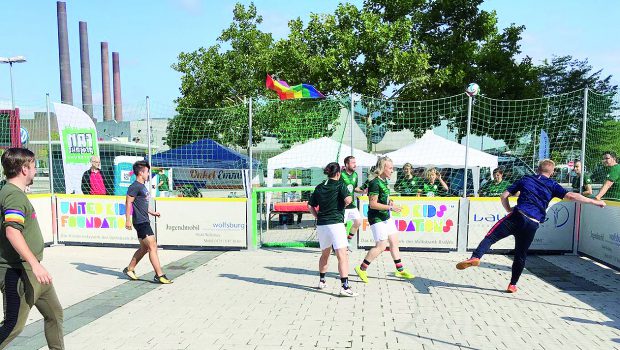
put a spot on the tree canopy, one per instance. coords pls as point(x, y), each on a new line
point(400, 50)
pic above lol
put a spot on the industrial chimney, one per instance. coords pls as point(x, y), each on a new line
point(87, 94)
point(66, 92)
point(116, 80)
point(105, 80)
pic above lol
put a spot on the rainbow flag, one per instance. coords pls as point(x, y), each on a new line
point(286, 92)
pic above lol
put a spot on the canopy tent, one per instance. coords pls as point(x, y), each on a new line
point(316, 154)
point(204, 153)
point(436, 151)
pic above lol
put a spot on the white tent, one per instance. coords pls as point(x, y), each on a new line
point(436, 151)
point(316, 154)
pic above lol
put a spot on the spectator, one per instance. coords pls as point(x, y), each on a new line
point(496, 187)
point(163, 184)
point(93, 181)
point(611, 187)
point(434, 185)
point(408, 185)
point(587, 182)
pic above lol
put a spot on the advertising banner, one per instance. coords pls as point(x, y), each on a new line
point(554, 234)
point(42, 204)
point(424, 222)
point(599, 236)
point(78, 140)
point(209, 178)
point(93, 219)
point(202, 222)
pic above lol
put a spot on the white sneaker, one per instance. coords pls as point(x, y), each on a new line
point(322, 285)
point(347, 292)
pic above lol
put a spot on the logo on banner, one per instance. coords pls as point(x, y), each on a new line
point(559, 213)
point(422, 218)
point(80, 144)
point(92, 215)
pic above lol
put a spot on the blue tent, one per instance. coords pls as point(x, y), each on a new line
point(204, 153)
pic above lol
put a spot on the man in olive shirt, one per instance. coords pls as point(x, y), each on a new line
point(496, 187)
point(587, 181)
point(349, 178)
point(611, 187)
point(23, 280)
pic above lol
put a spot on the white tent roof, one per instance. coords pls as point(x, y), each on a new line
point(317, 154)
point(433, 150)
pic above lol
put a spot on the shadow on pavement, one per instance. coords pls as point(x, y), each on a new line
point(269, 282)
point(98, 270)
point(457, 345)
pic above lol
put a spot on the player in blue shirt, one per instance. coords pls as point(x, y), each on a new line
point(522, 221)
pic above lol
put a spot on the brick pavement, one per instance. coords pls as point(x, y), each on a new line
point(267, 299)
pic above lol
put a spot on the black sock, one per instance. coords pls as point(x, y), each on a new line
point(345, 282)
point(364, 265)
point(322, 277)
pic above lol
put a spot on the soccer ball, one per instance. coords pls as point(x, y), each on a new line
point(472, 89)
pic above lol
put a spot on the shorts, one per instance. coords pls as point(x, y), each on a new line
point(381, 230)
point(144, 229)
point(352, 214)
point(334, 235)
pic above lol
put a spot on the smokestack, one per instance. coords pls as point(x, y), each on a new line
point(116, 80)
point(87, 94)
point(105, 80)
point(66, 92)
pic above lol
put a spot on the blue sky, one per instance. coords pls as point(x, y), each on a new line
point(150, 34)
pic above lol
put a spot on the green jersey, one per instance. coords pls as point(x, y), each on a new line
point(165, 182)
point(408, 187)
point(17, 212)
point(378, 187)
point(494, 189)
point(329, 196)
point(350, 183)
point(432, 190)
point(586, 181)
point(613, 176)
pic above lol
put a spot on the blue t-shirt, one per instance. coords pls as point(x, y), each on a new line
point(536, 193)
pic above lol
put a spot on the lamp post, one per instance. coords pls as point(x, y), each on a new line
point(10, 61)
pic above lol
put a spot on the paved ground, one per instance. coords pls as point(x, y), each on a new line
point(267, 299)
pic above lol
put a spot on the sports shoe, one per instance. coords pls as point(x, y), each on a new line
point(162, 279)
point(347, 293)
point(130, 273)
point(322, 285)
point(511, 288)
point(363, 275)
point(404, 274)
point(468, 263)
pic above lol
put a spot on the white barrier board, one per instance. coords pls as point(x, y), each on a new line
point(599, 235)
point(202, 222)
point(424, 222)
point(93, 219)
point(554, 234)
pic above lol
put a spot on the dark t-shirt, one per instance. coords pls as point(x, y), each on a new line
point(329, 196)
point(164, 186)
point(408, 187)
point(586, 181)
point(536, 193)
point(350, 183)
point(494, 189)
point(141, 196)
point(613, 176)
point(379, 188)
point(17, 212)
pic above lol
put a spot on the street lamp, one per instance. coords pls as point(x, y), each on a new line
point(10, 61)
